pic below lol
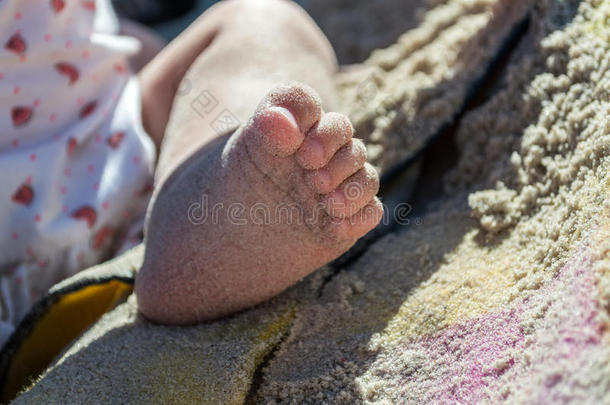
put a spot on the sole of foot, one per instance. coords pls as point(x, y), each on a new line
point(285, 194)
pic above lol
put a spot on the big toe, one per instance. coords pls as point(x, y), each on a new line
point(283, 118)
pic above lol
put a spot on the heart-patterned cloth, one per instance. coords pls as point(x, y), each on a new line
point(75, 161)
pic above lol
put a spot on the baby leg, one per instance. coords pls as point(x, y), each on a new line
point(239, 218)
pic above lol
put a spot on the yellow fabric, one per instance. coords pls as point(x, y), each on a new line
point(65, 321)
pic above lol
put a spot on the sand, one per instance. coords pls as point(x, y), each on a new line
point(498, 292)
point(353, 37)
point(404, 94)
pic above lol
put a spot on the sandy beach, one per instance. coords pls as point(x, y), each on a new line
point(494, 288)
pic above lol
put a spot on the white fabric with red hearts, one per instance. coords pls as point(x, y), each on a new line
point(75, 163)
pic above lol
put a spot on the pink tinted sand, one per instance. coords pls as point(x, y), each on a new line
point(528, 347)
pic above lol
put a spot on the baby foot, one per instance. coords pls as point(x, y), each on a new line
point(242, 220)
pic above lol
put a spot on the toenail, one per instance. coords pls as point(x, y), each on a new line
point(286, 113)
point(316, 150)
point(311, 154)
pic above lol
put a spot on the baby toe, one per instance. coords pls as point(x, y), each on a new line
point(354, 193)
point(359, 224)
point(347, 161)
point(324, 140)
